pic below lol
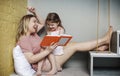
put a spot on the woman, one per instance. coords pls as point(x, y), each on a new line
point(29, 42)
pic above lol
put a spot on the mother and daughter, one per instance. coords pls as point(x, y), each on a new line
point(50, 59)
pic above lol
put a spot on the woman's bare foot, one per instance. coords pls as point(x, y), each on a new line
point(102, 48)
point(108, 35)
point(38, 73)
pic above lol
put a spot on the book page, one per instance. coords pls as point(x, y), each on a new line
point(63, 41)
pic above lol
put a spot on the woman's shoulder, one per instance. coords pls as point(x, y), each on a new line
point(61, 30)
point(24, 39)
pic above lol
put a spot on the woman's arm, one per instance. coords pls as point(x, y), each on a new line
point(40, 20)
point(37, 57)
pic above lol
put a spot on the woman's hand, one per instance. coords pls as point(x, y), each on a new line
point(31, 9)
point(40, 20)
point(52, 47)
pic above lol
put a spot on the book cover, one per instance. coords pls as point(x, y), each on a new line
point(62, 40)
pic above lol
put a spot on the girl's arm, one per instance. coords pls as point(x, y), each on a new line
point(48, 33)
point(40, 20)
point(61, 30)
point(37, 57)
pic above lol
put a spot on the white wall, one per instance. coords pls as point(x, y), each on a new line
point(79, 17)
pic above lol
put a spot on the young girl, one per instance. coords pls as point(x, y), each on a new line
point(54, 27)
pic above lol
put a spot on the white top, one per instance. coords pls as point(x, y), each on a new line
point(59, 49)
point(54, 33)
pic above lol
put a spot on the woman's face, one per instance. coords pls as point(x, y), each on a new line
point(52, 26)
point(33, 25)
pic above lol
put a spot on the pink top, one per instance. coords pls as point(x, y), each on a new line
point(30, 43)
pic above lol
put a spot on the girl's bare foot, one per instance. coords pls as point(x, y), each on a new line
point(49, 75)
point(52, 72)
point(59, 68)
point(108, 35)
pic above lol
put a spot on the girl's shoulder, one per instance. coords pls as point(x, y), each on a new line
point(60, 28)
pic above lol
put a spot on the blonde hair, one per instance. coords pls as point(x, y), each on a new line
point(23, 26)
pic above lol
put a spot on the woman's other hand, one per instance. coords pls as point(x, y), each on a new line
point(31, 9)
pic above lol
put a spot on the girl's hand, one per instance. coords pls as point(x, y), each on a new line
point(52, 47)
point(31, 9)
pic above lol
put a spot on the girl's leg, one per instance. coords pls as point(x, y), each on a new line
point(71, 48)
point(53, 64)
point(38, 73)
point(59, 68)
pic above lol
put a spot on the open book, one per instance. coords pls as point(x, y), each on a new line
point(62, 40)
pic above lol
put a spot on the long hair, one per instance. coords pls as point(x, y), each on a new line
point(53, 18)
point(23, 26)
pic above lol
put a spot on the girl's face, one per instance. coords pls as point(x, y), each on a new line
point(33, 25)
point(52, 26)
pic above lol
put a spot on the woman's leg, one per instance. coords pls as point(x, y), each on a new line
point(71, 48)
point(102, 48)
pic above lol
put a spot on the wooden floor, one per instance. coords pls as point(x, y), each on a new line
point(77, 66)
